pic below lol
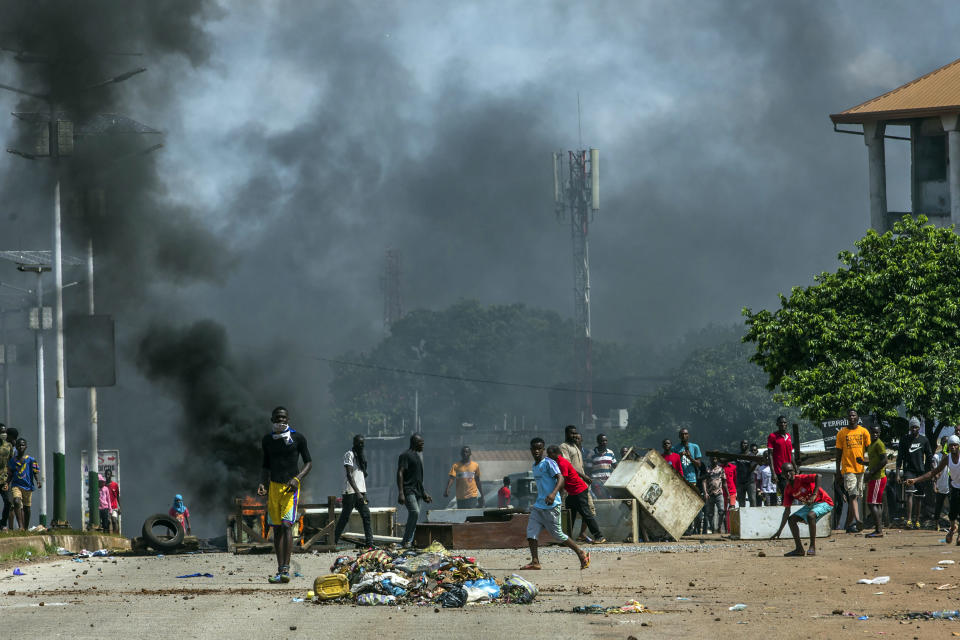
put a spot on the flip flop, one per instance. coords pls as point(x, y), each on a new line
point(794, 554)
point(530, 567)
point(585, 562)
point(811, 552)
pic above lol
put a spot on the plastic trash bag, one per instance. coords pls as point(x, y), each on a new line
point(488, 585)
point(453, 598)
point(421, 563)
point(519, 590)
point(374, 599)
point(436, 547)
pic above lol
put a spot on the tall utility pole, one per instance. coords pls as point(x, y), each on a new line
point(390, 285)
point(576, 192)
point(58, 142)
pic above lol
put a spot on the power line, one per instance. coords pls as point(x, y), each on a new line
point(500, 383)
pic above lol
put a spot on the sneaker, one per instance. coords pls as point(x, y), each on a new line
point(277, 579)
point(916, 525)
point(599, 540)
point(709, 532)
point(284, 578)
point(909, 524)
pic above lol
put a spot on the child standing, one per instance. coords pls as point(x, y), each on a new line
point(503, 496)
point(767, 487)
point(105, 499)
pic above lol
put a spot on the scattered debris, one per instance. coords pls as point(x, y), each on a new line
point(877, 580)
point(631, 606)
point(946, 587)
point(197, 575)
point(737, 607)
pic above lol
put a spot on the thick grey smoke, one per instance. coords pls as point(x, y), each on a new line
point(303, 139)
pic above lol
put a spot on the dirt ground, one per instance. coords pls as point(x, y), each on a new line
point(785, 597)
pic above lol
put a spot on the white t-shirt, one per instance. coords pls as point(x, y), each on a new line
point(943, 480)
point(349, 460)
point(766, 479)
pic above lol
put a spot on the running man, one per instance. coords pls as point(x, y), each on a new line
point(804, 488)
point(545, 512)
point(281, 450)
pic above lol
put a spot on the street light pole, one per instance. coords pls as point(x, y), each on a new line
point(41, 399)
point(93, 456)
point(59, 454)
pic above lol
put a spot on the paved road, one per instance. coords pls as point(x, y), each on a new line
point(137, 597)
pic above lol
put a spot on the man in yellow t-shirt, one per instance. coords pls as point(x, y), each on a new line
point(852, 443)
point(467, 474)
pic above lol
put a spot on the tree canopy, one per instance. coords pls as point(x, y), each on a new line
point(507, 343)
point(879, 333)
point(716, 393)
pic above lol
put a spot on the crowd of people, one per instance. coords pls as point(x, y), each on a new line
point(569, 475)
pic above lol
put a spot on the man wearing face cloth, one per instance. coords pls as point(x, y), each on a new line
point(6, 452)
point(355, 492)
point(281, 450)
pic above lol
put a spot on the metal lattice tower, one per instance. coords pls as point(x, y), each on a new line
point(576, 193)
point(390, 285)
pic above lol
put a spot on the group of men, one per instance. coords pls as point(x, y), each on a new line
point(561, 469)
point(19, 478)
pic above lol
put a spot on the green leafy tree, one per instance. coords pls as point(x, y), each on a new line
point(880, 332)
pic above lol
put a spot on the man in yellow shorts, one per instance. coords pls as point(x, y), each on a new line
point(281, 450)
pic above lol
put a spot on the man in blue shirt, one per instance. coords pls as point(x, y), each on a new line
point(545, 512)
point(691, 465)
point(24, 475)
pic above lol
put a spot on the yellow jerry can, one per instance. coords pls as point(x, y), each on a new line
point(335, 585)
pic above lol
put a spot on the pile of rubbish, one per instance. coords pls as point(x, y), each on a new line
point(432, 576)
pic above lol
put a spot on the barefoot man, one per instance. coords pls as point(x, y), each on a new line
point(804, 488)
point(545, 512)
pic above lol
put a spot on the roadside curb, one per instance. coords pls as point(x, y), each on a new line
point(74, 543)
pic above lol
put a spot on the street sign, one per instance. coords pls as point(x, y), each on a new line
point(89, 341)
point(34, 323)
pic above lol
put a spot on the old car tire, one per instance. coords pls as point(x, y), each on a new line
point(158, 542)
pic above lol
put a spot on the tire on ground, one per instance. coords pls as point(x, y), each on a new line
point(162, 543)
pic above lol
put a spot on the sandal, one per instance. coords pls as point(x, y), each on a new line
point(794, 554)
point(585, 561)
point(533, 566)
point(811, 552)
point(873, 534)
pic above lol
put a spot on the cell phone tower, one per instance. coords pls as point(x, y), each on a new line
point(576, 192)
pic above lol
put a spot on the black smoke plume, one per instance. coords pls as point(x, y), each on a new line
point(220, 427)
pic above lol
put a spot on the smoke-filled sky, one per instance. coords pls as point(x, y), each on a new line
point(303, 139)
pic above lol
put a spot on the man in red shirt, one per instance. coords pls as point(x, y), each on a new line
point(671, 457)
point(779, 451)
point(803, 488)
point(576, 490)
point(730, 471)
